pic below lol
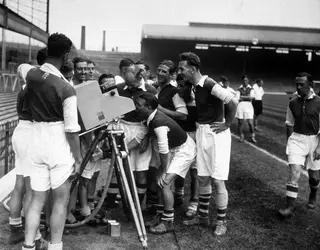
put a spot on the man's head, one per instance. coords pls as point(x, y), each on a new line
point(140, 65)
point(124, 65)
point(165, 71)
point(80, 69)
point(146, 103)
point(184, 88)
point(42, 56)
point(67, 70)
point(132, 77)
point(91, 68)
point(224, 81)
point(304, 83)
point(189, 64)
point(259, 82)
point(106, 81)
point(59, 47)
point(245, 81)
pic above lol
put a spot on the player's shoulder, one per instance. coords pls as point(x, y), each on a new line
point(210, 83)
point(60, 84)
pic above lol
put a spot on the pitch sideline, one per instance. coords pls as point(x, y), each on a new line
point(267, 153)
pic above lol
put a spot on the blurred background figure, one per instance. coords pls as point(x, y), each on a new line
point(225, 83)
point(91, 70)
point(80, 70)
point(245, 95)
point(257, 102)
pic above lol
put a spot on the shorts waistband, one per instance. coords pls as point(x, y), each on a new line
point(305, 135)
point(25, 122)
point(48, 124)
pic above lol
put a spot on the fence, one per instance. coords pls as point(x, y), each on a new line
point(6, 152)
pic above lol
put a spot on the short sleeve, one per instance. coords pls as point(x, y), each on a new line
point(289, 117)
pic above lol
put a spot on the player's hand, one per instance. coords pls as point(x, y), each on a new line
point(316, 153)
point(161, 181)
point(143, 146)
point(218, 127)
point(76, 171)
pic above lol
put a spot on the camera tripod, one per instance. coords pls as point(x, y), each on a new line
point(120, 162)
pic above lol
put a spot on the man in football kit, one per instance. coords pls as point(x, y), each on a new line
point(213, 139)
point(303, 145)
point(56, 148)
point(177, 152)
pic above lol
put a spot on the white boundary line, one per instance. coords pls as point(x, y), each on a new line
point(267, 153)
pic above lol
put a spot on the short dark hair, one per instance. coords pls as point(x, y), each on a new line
point(223, 79)
point(58, 45)
point(77, 60)
point(42, 56)
point(170, 65)
point(244, 76)
point(91, 62)
point(126, 62)
point(67, 66)
point(150, 99)
point(191, 58)
point(104, 76)
point(258, 80)
point(308, 76)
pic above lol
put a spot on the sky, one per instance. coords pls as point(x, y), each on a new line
point(123, 19)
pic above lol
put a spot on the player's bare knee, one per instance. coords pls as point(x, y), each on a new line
point(204, 181)
point(219, 185)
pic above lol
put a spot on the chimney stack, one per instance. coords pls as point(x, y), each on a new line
point(104, 41)
point(83, 38)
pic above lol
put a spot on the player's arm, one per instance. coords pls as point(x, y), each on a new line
point(23, 70)
point(231, 105)
point(175, 115)
point(162, 138)
point(72, 129)
point(135, 142)
point(248, 98)
point(181, 111)
point(289, 122)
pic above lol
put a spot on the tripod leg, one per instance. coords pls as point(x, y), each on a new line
point(125, 203)
point(128, 192)
point(135, 193)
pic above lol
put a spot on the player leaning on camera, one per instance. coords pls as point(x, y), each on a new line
point(213, 139)
point(21, 141)
point(303, 147)
point(177, 152)
point(56, 150)
point(134, 129)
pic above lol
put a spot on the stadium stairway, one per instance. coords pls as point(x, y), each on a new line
point(8, 103)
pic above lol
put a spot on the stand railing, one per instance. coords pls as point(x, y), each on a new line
point(6, 151)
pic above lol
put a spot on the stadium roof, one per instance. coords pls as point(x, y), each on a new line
point(235, 34)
